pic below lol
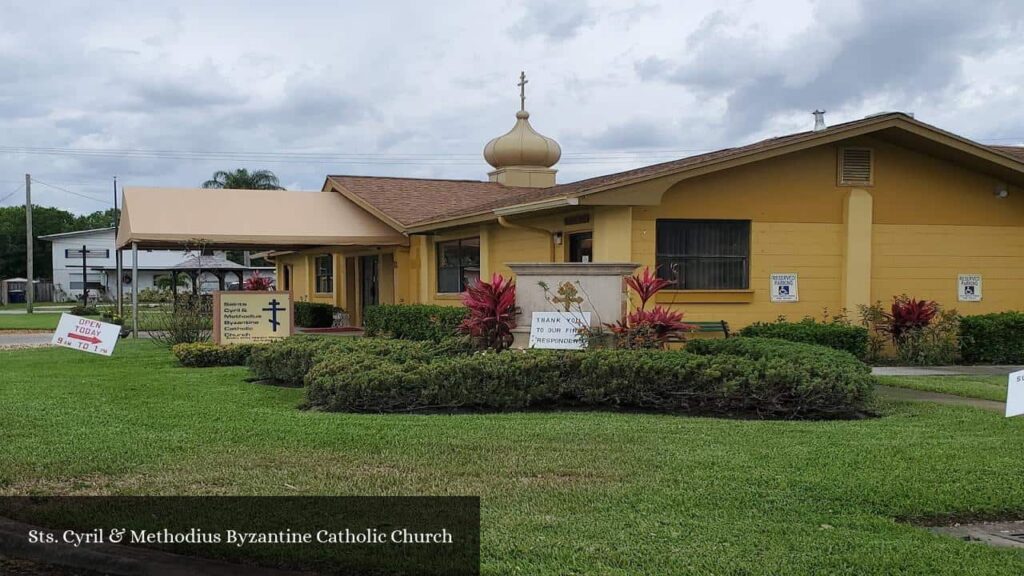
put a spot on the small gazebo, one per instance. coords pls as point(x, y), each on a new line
point(195, 266)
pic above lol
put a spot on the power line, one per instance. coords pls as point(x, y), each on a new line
point(12, 193)
point(93, 198)
point(580, 158)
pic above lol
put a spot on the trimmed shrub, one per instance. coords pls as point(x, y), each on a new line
point(287, 361)
point(847, 337)
point(992, 338)
point(314, 315)
point(207, 354)
point(81, 310)
point(413, 321)
point(774, 380)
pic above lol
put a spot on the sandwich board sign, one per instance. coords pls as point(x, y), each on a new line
point(968, 287)
point(251, 317)
point(784, 288)
point(1015, 394)
point(558, 330)
point(86, 334)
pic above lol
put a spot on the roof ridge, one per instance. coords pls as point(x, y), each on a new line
point(420, 178)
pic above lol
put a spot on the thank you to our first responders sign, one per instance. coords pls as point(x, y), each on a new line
point(86, 334)
point(249, 317)
point(558, 330)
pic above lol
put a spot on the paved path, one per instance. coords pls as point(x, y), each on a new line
point(944, 370)
point(19, 339)
point(906, 394)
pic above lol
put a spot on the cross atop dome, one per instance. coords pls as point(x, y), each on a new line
point(522, 90)
point(523, 156)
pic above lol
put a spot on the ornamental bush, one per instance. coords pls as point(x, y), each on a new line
point(838, 335)
point(413, 321)
point(761, 378)
point(314, 315)
point(287, 361)
point(992, 338)
point(207, 354)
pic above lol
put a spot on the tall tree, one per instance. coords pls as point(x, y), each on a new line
point(242, 179)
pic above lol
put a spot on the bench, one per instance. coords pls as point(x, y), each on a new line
point(711, 326)
point(705, 327)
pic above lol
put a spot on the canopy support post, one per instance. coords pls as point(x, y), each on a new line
point(135, 289)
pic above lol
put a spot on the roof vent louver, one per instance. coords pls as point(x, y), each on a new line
point(855, 167)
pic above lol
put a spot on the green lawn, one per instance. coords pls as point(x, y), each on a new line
point(984, 387)
point(562, 492)
point(38, 321)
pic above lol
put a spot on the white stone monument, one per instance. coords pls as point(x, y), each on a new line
point(600, 289)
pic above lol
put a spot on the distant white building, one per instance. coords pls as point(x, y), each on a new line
point(101, 268)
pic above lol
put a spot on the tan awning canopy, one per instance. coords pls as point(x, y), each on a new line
point(247, 219)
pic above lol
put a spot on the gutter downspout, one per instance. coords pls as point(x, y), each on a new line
point(504, 223)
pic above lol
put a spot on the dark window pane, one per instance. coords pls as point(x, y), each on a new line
point(458, 264)
point(704, 254)
point(324, 267)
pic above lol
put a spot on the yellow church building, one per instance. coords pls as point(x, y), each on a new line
point(854, 213)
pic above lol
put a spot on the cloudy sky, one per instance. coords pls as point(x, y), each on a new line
point(163, 94)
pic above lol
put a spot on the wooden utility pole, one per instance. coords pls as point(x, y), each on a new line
point(117, 259)
point(30, 288)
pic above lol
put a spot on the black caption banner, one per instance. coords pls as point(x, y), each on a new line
point(245, 535)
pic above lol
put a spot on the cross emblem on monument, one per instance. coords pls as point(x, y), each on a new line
point(567, 296)
point(522, 90)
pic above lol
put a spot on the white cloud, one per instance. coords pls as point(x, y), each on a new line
point(434, 81)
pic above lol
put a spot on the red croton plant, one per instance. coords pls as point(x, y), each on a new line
point(492, 312)
point(652, 328)
point(908, 315)
point(258, 283)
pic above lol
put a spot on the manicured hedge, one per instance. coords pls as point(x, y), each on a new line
point(763, 378)
point(206, 354)
point(314, 315)
point(413, 321)
point(287, 361)
point(852, 339)
point(992, 338)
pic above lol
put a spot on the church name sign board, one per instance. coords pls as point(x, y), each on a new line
point(785, 288)
point(558, 330)
point(86, 334)
point(968, 287)
point(252, 317)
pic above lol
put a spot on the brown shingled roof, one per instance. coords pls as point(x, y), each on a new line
point(408, 202)
point(1015, 151)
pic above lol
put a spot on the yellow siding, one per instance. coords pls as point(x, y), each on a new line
point(924, 261)
point(923, 221)
point(812, 251)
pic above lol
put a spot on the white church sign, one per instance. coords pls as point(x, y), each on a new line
point(969, 287)
point(784, 288)
point(558, 330)
point(86, 334)
point(1015, 394)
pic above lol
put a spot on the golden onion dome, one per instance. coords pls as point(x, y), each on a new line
point(522, 145)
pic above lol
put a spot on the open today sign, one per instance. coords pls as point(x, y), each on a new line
point(86, 334)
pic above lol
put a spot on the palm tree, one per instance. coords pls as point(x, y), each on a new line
point(242, 179)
